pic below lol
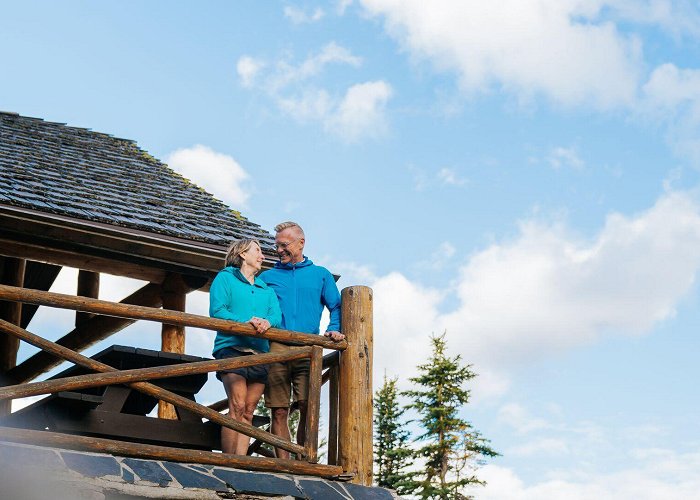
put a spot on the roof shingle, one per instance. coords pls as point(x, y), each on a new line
point(76, 172)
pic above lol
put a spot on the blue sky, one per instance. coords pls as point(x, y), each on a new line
point(521, 174)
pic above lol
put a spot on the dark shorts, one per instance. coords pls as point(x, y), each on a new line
point(257, 373)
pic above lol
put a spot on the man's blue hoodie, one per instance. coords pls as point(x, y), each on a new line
point(303, 289)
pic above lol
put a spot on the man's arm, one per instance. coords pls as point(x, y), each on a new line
point(331, 299)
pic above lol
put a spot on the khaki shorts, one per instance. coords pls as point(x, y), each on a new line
point(283, 377)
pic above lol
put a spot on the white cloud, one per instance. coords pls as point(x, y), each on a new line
point(217, 173)
point(565, 157)
point(672, 95)
point(285, 73)
point(554, 48)
point(361, 112)
point(358, 112)
point(659, 475)
point(518, 418)
point(342, 6)
point(450, 177)
point(539, 447)
point(678, 17)
point(545, 292)
point(248, 68)
point(300, 16)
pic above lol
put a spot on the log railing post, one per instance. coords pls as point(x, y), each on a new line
point(88, 286)
point(333, 381)
point(313, 409)
point(355, 454)
point(12, 274)
point(172, 336)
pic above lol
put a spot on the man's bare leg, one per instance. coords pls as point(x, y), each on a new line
point(280, 428)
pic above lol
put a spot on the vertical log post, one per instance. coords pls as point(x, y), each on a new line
point(313, 409)
point(12, 274)
point(333, 414)
point(174, 295)
point(88, 286)
point(355, 453)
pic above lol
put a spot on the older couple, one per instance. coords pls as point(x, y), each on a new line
point(292, 296)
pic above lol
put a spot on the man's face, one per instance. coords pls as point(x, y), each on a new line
point(290, 246)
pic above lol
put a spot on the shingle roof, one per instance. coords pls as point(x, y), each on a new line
point(87, 175)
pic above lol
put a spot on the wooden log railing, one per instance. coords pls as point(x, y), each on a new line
point(341, 465)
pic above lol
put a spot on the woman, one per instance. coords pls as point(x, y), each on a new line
point(235, 294)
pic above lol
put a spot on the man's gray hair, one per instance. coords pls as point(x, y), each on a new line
point(286, 225)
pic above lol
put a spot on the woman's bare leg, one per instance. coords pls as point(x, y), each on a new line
point(236, 390)
point(255, 391)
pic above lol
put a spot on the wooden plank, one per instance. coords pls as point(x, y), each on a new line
point(88, 286)
point(150, 389)
point(123, 310)
point(174, 293)
point(154, 452)
point(13, 274)
point(86, 335)
point(355, 452)
point(313, 405)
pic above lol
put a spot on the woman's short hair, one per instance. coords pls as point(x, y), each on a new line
point(237, 247)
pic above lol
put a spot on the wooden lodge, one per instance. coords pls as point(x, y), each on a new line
point(86, 200)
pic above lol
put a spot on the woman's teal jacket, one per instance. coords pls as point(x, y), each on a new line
point(231, 296)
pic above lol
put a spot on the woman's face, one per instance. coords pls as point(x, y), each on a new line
point(253, 257)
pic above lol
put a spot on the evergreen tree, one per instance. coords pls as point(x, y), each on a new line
point(391, 452)
point(453, 449)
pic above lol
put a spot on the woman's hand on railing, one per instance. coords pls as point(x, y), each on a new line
point(337, 336)
point(261, 325)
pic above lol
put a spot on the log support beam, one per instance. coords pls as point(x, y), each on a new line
point(12, 274)
point(174, 293)
point(355, 386)
point(88, 286)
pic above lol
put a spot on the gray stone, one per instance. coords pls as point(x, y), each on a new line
point(24, 456)
point(190, 478)
point(359, 492)
point(91, 465)
point(253, 482)
point(316, 489)
point(149, 470)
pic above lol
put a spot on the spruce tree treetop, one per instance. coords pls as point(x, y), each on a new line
point(453, 449)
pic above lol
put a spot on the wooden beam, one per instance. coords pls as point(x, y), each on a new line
point(77, 382)
point(88, 286)
point(123, 310)
point(86, 335)
point(151, 390)
point(37, 276)
point(13, 274)
point(154, 452)
point(174, 294)
point(70, 258)
point(355, 452)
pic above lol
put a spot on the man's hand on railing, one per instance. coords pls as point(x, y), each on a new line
point(337, 336)
point(261, 325)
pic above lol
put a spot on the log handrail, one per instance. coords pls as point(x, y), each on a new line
point(138, 450)
point(152, 390)
point(106, 308)
point(142, 374)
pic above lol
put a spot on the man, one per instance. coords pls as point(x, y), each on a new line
point(303, 290)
